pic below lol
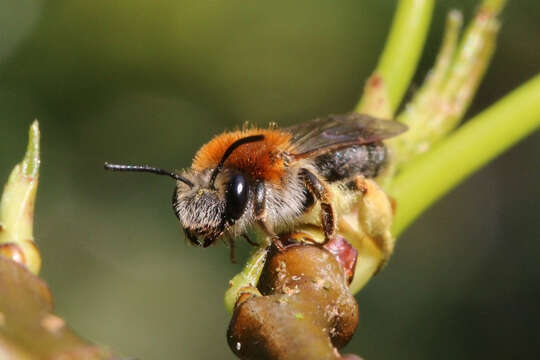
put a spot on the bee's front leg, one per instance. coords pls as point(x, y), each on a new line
point(250, 242)
point(232, 252)
point(260, 214)
point(320, 191)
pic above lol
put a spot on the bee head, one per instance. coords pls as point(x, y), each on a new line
point(206, 212)
point(215, 200)
point(200, 209)
point(206, 203)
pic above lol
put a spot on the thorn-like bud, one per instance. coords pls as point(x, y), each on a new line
point(17, 207)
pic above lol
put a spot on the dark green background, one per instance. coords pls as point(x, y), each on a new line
point(150, 81)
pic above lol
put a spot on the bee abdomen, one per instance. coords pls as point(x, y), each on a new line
point(366, 160)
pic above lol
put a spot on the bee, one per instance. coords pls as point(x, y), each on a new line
point(276, 178)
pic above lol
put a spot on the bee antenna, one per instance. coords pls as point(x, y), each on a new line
point(229, 151)
point(149, 169)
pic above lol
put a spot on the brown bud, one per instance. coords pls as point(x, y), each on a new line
point(306, 310)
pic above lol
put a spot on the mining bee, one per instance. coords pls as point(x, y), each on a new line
point(278, 178)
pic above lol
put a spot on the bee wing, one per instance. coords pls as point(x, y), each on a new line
point(335, 132)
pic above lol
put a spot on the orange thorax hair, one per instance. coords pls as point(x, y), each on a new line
point(260, 159)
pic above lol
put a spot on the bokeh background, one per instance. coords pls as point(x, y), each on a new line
point(142, 81)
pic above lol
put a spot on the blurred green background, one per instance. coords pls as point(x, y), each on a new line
point(142, 81)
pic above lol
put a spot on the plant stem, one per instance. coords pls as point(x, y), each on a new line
point(403, 48)
point(440, 103)
point(17, 207)
point(481, 139)
point(246, 280)
point(436, 76)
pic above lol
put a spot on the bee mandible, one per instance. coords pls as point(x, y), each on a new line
point(276, 178)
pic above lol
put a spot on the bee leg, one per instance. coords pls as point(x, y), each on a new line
point(272, 235)
point(250, 242)
point(318, 188)
point(232, 252)
point(260, 214)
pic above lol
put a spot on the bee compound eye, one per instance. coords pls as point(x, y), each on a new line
point(236, 197)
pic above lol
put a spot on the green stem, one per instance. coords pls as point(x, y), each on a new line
point(403, 48)
point(246, 280)
point(30, 163)
point(439, 105)
point(436, 76)
point(17, 207)
point(481, 139)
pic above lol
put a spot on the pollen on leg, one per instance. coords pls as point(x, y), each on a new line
point(360, 185)
point(375, 216)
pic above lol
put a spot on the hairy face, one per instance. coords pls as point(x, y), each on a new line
point(200, 209)
point(207, 211)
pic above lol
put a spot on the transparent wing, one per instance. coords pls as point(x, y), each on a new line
point(334, 132)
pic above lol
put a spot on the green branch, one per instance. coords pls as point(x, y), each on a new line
point(474, 144)
point(403, 48)
point(246, 281)
point(428, 162)
point(439, 105)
